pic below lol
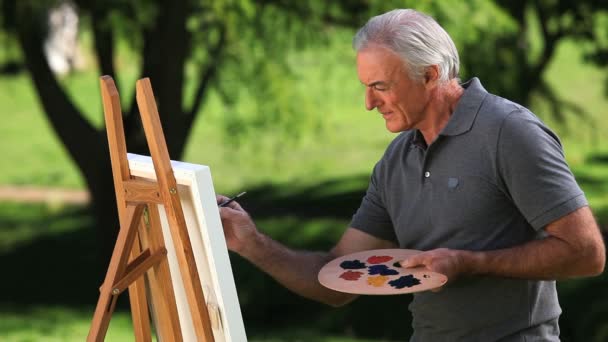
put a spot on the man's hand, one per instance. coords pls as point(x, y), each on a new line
point(239, 228)
point(449, 262)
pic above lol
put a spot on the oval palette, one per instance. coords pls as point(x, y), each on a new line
point(377, 272)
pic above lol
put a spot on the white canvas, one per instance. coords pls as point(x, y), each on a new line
point(195, 187)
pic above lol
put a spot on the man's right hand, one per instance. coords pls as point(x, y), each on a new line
point(239, 229)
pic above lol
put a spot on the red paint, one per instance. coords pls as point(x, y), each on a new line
point(379, 259)
point(351, 275)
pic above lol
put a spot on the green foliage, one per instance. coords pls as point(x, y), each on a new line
point(270, 103)
point(259, 85)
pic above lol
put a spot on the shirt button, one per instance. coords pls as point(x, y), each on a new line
point(427, 174)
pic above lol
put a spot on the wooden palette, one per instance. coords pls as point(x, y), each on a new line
point(377, 272)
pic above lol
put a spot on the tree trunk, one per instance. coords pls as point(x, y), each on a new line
point(164, 59)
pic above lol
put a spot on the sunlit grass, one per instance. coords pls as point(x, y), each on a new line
point(58, 324)
point(61, 324)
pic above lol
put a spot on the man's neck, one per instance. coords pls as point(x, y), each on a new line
point(441, 107)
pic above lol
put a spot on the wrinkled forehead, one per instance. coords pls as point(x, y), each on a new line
point(376, 63)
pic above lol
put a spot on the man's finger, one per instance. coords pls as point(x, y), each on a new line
point(410, 262)
point(220, 198)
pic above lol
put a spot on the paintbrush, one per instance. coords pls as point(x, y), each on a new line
point(228, 201)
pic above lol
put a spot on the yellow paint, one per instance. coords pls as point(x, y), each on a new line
point(377, 281)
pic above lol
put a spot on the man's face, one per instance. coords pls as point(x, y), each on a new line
point(399, 99)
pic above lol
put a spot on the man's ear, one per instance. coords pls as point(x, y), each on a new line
point(431, 76)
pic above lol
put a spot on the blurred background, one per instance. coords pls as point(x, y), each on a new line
point(265, 92)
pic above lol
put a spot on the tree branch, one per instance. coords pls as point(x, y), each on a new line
point(104, 41)
point(208, 75)
point(165, 49)
point(550, 40)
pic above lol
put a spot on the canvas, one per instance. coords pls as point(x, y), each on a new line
point(197, 196)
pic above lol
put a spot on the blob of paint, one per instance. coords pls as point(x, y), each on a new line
point(381, 270)
point(351, 275)
point(352, 264)
point(404, 281)
point(378, 259)
point(377, 281)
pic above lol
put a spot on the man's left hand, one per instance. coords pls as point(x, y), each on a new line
point(449, 262)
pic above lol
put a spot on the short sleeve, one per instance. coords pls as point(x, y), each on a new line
point(372, 216)
point(532, 166)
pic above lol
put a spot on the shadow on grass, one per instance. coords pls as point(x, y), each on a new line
point(330, 199)
point(64, 269)
point(52, 268)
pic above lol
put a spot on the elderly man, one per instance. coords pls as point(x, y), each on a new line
point(475, 181)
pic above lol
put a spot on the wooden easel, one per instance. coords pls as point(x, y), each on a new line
point(139, 261)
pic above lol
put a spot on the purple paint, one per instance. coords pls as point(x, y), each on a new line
point(352, 264)
point(381, 270)
point(405, 281)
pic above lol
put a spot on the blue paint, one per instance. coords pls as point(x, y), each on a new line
point(405, 281)
point(352, 264)
point(381, 270)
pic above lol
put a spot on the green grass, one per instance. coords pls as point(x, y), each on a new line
point(21, 224)
point(58, 258)
point(31, 153)
point(60, 324)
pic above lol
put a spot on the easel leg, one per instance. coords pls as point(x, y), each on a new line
point(161, 288)
point(118, 263)
point(139, 303)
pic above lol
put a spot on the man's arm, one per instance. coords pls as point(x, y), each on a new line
point(574, 248)
point(296, 270)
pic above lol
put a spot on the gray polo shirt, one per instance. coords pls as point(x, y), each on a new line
point(494, 178)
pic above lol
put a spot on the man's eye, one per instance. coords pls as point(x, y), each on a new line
point(380, 87)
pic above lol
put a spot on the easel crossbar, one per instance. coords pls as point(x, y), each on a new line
point(139, 267)
point(139, 191)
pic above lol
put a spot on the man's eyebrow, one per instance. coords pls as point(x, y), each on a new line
point(375, 83)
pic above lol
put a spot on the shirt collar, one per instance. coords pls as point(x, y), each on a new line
point(418, 140)
point(463, 117)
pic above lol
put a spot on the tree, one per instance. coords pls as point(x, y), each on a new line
point(169, 37)
point(549, 22)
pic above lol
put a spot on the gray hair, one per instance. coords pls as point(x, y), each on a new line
point(416, 38)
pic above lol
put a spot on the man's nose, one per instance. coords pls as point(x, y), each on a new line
point(370, 99)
